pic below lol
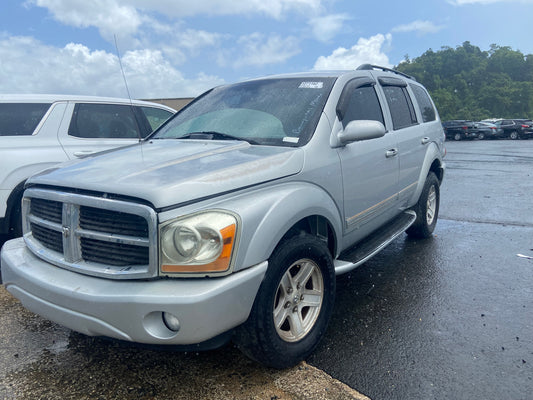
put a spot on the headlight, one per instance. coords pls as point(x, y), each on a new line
point(199, 243)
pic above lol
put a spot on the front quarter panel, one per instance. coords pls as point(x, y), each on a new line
point(267, 214)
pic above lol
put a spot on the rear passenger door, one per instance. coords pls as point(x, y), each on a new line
point(411, 136)
point(369, 167)
point(95, 127)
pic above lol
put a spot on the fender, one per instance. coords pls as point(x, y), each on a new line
point(433, 154)
point(274, 212)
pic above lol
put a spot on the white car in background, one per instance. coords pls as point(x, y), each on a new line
point(39, 131)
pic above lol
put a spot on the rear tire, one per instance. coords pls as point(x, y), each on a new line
point(293, 306)
point(514, 135)
point(457, 137)
point(427, 209)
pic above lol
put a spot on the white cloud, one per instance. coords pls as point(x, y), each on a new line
point(326, 27)
point(182, 8)
point(422, 27)
point(365, 51)
point(29, 66)
point(257, 50)
point(109, 16)
point(126, 16)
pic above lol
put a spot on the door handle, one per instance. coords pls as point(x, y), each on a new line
point(426, 140)
point(391, 153)
point(84, 153)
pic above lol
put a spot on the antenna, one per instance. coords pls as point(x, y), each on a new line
point(122, 69)
point(127, 89)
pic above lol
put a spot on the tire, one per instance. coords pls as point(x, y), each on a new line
point(457, 137)
point(293, 306)
point(427, 209)
point(481, 136)
point(15, 220)
point(513, 135)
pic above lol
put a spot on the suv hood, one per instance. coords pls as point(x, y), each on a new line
point(167, 172)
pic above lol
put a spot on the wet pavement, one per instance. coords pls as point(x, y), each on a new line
point(450, 317)
point(446, 318)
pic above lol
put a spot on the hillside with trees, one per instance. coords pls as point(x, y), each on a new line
point(467, 83)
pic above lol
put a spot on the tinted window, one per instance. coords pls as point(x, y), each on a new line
point(281, 112)
point(104, 121)
point(155, 116)
point(401, 107)
point(19, 119)
point(424, 103)
point(363, 104)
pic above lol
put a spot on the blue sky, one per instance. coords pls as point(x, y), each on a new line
point(179, 48)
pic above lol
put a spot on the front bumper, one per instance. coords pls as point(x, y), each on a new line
point(130, 310)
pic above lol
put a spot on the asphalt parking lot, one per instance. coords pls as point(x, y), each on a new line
point(449, 317)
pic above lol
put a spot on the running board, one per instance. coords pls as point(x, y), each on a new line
point(363, 251)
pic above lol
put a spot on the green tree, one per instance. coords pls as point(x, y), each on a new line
point(468, 83)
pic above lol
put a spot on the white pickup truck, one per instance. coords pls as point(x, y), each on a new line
point(39, 131)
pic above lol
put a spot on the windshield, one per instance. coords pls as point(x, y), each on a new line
point(280, 112)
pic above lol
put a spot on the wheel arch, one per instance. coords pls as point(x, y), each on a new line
point(285, 212)
point(12, 205)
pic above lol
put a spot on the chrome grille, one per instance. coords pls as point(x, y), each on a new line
point(91, 235)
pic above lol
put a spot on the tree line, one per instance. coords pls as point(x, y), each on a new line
point(467, 83)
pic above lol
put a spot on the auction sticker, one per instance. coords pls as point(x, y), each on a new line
point(311, 85)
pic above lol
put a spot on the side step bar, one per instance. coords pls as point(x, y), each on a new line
point(361, 252)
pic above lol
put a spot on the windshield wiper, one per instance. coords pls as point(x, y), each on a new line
point(213, 135)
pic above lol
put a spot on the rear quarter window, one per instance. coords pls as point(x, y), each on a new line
point(21, 119)
point(155, 116)
point(401, 107)
point(424, 104)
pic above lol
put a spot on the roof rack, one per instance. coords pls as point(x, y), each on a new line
point(367, 67)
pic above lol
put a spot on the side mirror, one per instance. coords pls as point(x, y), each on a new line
point(361, 130)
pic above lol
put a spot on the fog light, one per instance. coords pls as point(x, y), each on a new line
point(171, 322)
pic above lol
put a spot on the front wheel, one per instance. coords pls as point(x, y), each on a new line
point(427, 209)
point(481, 136)
point(293, 305)
point(457, 137)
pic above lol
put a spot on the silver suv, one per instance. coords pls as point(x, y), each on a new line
point(232, 220)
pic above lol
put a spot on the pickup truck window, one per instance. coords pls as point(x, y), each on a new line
point(281, 112)
point(401, 107)
point(20, 119)
point(104, 121)
point(363, 104)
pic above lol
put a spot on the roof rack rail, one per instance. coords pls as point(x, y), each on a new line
point(371, 66)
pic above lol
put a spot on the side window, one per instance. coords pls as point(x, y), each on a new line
point(112, 121)
point(424, 103)
point(401, 107)
point(155, 116)
point(20, 119)
point(363, 104)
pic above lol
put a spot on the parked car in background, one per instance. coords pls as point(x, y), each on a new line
point(488, 130)
point(40, 131)
point(459, 129)
point(514, 128)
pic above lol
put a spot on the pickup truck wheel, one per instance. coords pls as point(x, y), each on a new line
point(427, 209)
point(293, 305)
